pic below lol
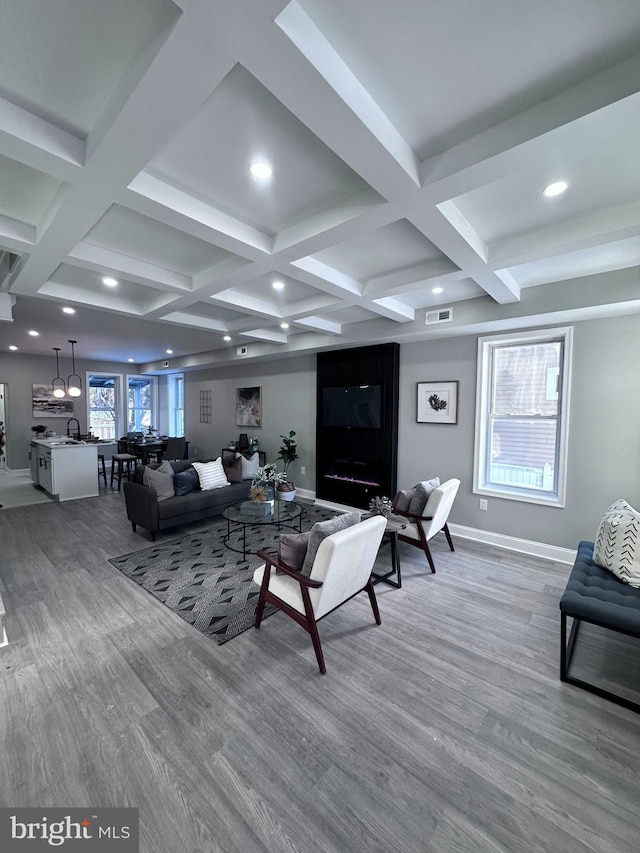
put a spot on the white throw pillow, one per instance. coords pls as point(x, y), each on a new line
point(617, 545)
point(211, 474)
point(250, 466)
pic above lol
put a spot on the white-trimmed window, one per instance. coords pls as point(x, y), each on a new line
point(142, 404)
point(103, 404)
point(522, 415)
point(176, 403)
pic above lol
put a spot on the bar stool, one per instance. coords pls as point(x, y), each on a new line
point(102, 469)
point(122, 463)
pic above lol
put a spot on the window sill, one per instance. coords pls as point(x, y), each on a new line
point(523, 497)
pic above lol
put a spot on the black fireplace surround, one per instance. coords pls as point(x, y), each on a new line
point(355, 464)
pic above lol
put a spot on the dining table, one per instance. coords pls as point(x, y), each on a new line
point(145, 448)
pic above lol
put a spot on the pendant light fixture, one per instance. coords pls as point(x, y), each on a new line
point(74, 383)
point(58, 386)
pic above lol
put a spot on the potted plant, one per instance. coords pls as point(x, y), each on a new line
point(265, 482)
point(288, 453)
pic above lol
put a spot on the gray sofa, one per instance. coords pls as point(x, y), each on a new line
point(144, 509)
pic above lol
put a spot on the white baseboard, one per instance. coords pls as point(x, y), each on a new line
point(512, 543)
point(487, 537)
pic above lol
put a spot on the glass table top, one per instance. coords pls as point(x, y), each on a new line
point(280, 512)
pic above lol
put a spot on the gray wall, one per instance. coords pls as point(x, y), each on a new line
point(604, 428)
point(288, 402)
point(604, 433)
point(20, 373)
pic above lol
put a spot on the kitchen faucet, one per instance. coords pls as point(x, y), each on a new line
point(77, 425)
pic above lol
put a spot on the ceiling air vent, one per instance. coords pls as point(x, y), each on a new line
point(442, 315)
point(242, 350)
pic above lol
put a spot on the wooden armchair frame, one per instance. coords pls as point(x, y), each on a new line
point(307, 620)
point(446, 493)
point(341, 570)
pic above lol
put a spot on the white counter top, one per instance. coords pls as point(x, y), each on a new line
point(63, 441)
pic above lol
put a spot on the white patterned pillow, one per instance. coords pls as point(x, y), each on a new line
point(249, 466)
point(617, 545)
point(211, 474)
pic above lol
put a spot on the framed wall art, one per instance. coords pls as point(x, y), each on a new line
point(45, 405)
point(249, 407)
point(437, 403)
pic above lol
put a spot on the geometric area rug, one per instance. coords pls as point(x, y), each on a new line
point(205, 583)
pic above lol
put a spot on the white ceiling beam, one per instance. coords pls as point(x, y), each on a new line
point(320, 324)
point(596, 228)
point(324, 275)
point(295, 22)
point(35, 132)
point(17, 236)
point(191, 208)
point(107, 262)
point(440, 231)
point(392, 309)
point(407, 278)
point(297, 84)
point(271, 335)
point(191, 320)
point(535, 126)
point(250, 304)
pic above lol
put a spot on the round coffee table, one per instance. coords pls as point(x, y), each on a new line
point(282, 514)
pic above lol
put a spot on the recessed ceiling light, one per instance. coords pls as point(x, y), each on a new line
point(131, 360)
point(278, 285)
point(12, 348)
point(437, 289)
point(284, 325)
point(261, 170)
point(67, 310)
point(109, 281)
point(169, 352)
point(556, 188)
point(33, 333)
point(227, 338)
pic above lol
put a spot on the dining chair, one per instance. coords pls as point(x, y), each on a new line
point(123, 462)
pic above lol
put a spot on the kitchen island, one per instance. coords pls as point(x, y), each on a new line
point(65, 468)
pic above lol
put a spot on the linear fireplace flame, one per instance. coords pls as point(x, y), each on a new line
point(350, 480)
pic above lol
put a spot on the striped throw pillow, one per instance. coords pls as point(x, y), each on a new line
point(211, 474)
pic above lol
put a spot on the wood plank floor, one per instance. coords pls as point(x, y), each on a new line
point(444, 729)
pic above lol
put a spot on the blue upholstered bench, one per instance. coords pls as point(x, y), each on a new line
point(596, 595)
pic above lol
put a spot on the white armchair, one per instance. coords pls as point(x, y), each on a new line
point(341, 569)
point(420, 529)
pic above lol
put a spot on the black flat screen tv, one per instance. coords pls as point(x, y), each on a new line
point(355, 406)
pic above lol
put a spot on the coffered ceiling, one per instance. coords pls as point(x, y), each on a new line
point(409, 142)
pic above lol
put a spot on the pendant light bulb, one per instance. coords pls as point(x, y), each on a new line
point(57, 386)
point(74, 383)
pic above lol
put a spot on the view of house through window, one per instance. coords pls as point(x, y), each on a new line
point(523, 411)
point(141, 403)
point(103, 405)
